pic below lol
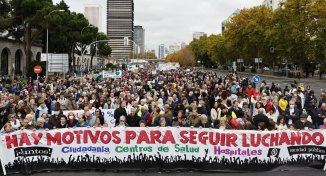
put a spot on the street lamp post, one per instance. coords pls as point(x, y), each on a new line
point(81, 46)
point(91, 45)
point(47, 45)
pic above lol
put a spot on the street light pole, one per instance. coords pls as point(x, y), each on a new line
point(91, 45)
point(47, 45)
point(81, 46)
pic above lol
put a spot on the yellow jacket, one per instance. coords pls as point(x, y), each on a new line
point(283, 104)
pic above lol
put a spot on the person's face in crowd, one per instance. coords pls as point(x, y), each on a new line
point(292, 105)
point(86, 103)
point(8, 128)
point(303, 119)
point(122, 121)
point(97, 121)
point(184, 102)
point(184, 121)
point(162, 123)
point(123, 104)
point(80, 118)
point(223, 122)
point(71, 116)
point(236, 104)
point(40, 123)
point(63, 120)
point(25, 122)
point(88, 115)
point(282, 121)
point(174, 96)
point(12, 118)
point(166, 108)
point(271, 112)
point(32, 102)
point(142, 124)
point(275, 103)
point(179, 114)
point(203, 120)
point(19, 115)
point(21, 104)
point(323, 106)
point(97, 112)
point(259, 105)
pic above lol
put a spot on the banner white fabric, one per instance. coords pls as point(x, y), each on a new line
point(216, 149)
point(109, 74)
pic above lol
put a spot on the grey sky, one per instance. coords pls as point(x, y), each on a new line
point(174, 21)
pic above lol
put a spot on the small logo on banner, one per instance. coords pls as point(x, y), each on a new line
point(33, 151)
point(274, 152)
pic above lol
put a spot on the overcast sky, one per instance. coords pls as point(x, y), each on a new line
point(174, 21)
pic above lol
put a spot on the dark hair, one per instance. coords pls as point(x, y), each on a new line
point(278, 121)
point(99, 111)
point(101, 119)
point(142, 121)
point(63, 116)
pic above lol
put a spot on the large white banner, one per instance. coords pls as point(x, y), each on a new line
point(108, 115)
point(114, 148)
point(167, 66)
point(110, 74)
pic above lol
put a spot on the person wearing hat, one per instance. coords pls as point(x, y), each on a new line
point(303, 123)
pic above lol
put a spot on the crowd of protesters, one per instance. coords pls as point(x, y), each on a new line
point(175, 98)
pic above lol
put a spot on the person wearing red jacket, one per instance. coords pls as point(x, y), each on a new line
point(250, 90)
point(268, 105)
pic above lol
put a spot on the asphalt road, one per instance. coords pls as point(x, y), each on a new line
point(314, 83)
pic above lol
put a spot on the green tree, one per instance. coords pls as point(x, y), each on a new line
point(295, 28)
point(246, 34)
point(185, 57)
point(5, 20)
point(23, 14)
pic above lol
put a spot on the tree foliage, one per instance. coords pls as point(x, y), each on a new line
point(185, 57)
point(297, 31)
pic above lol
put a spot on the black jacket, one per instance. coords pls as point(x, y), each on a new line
point(261, 118)
point(299, 125)
point(118, 113)
point(133, 121)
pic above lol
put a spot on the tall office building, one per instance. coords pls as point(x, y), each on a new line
point(93, 13)
point(139, 36)
point(273, 4)
point(174, 48)
point(197, 35)
point(229, 19)
point(120, 26)
point(161, 51)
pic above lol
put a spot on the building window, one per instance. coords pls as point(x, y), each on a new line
point(4, 62)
